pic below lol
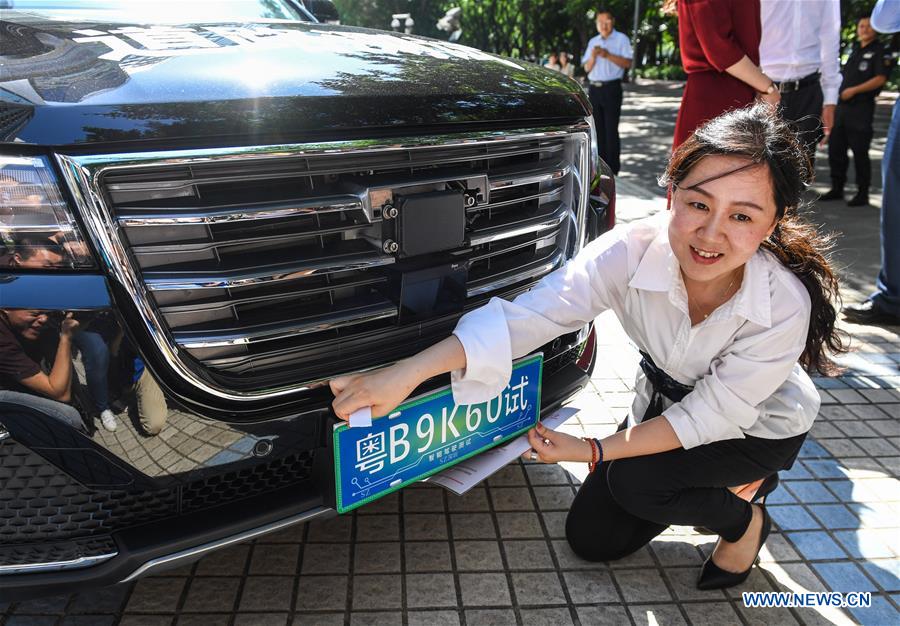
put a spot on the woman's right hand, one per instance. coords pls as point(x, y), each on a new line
point(382, 389)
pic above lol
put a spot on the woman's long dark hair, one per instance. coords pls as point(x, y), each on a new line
point(758, 133)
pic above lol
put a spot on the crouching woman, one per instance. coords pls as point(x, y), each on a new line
point(728, 296)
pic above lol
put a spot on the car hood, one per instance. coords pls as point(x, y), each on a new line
point(65, 83)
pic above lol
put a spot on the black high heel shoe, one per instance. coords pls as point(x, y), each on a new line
point(768, 485)
point(714, 577)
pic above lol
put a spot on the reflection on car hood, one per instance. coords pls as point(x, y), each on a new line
point(67, 83)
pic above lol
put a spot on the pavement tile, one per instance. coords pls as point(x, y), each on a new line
point(812, 449)
point(490, 617)
point(825, 468)
point(554, 498)
point(816, 546)
point(228, 562)
point(428, 500)
point(796, 577)
point(211, 595)
point(484, 590)
point(527, 555)
point(156, 595)
point(90, 620)
point(334, 529)
point(854, 428)
point(809, 491)
point(267, 593)
point(765, 616)
point(710, 613)
point(546, 475)
point(387, 504)
point(322, 593)
point(127, 620)
point(602, 615)
point(222, 619)
point(643, 585)
point(326, 558)
point(676, 552)
point(433, 618)
point(392, 618)
point(510, 476)
point(377, 527)
point(478, 555)
point(886, 428)
point(472, 526)
point(861, 544)
point(317, 619)
point(511, 499)
point(797, 472)
point(427, 556)
point(842, 447)
point(268, 619)
point(656, 615)
point(843, 577)
point(778, 549)
point(98, 601)
point(590, 587)
point(683, 581)
point(880, 613)
point(885, 572)
point(537, 588)
point(519, 525)
point(555, 521)
point(430, 590)
point(638, 558)
point(471, 501)
point(426, 526)
point(567, 559)
point(377, 558)
point(546, 617)
point(274, 559)
point(791, 517)
point(834, 516)
point(376, 591)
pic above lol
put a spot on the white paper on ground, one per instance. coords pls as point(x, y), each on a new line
point(463, 476)
point(361, 418)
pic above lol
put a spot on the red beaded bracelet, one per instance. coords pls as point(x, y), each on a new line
point(595, 454)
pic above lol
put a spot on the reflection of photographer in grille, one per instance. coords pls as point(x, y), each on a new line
point(26, 342)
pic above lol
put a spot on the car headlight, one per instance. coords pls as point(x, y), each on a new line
point(37, 229)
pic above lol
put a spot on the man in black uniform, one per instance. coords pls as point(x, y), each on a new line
point(864, 74)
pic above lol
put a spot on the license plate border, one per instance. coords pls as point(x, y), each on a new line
point(335, 446)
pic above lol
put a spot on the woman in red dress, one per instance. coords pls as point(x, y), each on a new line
point(720, 53)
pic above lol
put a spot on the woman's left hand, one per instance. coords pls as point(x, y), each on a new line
point(553, 447)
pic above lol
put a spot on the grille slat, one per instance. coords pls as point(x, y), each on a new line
point(274, 266)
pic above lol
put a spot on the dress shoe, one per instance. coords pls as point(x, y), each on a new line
point(870, 313)
point(860, 199)
point(768, 486)
point(833, 194)
point(714, 577)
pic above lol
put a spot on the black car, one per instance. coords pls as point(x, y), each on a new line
point(202, 221)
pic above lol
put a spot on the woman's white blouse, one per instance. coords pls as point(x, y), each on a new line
point(741, 360)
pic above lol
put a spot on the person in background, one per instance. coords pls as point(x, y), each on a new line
point(865, 73)
point(151, 403)
point(552, 62)
point(605, 60)
point(883, 306)
point(27, 346)
point(720, 54)
point(799, 50)
point(565, 66)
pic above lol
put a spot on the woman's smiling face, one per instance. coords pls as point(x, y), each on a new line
point(718, 225)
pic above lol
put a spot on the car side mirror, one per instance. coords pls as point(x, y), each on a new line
point(323, 10)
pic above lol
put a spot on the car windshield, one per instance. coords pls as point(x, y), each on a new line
point(161, 11)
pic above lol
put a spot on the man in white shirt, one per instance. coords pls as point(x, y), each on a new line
point(605, 60)
point(800, 50)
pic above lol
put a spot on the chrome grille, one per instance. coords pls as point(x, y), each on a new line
point(261, 267)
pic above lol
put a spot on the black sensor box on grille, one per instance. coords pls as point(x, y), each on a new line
point(212, 211)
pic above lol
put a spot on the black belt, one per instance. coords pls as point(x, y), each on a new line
point(787, 86)
point(601, 83)
point(661, 385)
